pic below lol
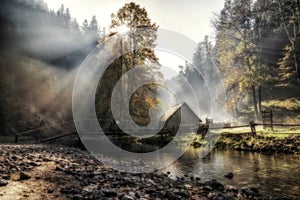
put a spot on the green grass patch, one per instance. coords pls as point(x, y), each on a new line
point(287, 104)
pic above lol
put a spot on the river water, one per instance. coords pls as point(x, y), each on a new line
point(275, 175)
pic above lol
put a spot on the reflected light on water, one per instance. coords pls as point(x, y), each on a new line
point(276, 175)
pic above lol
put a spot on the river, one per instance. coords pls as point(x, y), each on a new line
point(275, 175)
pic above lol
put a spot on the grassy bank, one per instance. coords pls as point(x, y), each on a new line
point(277, 141)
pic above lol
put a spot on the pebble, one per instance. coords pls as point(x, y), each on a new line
point(229, 175)
point(24, 176)
point(3, 182)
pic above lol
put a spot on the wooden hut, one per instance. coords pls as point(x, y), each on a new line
point(173, 118)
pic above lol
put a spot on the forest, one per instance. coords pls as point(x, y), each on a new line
point(255, 46)
point(252, 58)
point(40, 51)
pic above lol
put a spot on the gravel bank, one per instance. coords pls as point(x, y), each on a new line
point(56, 172)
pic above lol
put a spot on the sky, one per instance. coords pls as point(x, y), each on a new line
point(191, 18)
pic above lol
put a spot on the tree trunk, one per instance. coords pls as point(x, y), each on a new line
point(296, 65)
point(254, 102)
point(294, 49)
point(259, 100)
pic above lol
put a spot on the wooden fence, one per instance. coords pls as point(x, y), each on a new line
point(71, 130)
point(252, 125)
point(63, 125)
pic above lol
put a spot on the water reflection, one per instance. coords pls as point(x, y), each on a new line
point(277, 175)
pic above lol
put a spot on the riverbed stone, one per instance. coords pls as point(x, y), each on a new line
point(127, 197)
point(3, 182)
point(246, 191)
point(24, 176)
point(231, 188)
point(229, 175)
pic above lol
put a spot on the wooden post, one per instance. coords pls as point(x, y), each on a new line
point(267, 119)
point(271, 119)
point(263, 118)
point(252, 127)
point(259, 100)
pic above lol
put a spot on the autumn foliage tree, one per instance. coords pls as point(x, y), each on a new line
point(137, 48)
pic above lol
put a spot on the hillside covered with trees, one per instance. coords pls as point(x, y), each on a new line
point(256, 47)
point(40, 50)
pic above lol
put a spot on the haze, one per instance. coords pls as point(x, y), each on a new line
point(191, 18)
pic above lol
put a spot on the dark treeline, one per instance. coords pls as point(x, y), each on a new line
point(40, 50)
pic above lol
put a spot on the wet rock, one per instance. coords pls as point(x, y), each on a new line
point(184, 193)
point(246, 191)
point(207, 188)
point(110, 176)
point(3, 182)
point(26, 195)
point(211, 195)
point(127, 197)
point(6, 177)
point(221, 196)
point(231, 188)
point(24, 176)
point(254, 189)
point(229, 175)
point(171, 195)
point(109, 193)
point(50, 191)
point(138, 195)
point(215, 185)
point(150, 190)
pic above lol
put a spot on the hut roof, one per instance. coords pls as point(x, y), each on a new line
point(173, 109)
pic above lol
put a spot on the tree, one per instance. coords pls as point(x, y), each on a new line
point(61, 11)
point(289, 11)
point(238, 51)
point(85, 26)
point(203, 58)
point(67, 17)
point(139, 43)
point(94, 28)
point(75, 25)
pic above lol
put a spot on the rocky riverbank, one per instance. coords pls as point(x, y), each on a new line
point(260, 143)
point(56, 172)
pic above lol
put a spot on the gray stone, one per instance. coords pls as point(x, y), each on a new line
point(127, 197)
point(3, 182)
point(24, 176)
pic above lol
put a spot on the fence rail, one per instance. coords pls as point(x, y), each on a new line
point(57, 137)
point(276, 124)
point(252, 125)
point(44, 128)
